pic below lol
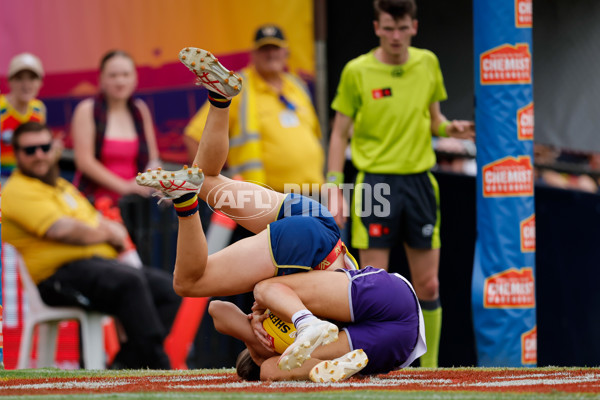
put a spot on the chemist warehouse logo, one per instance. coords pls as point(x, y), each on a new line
point(507, 177)
point(512, 288)
point(525, 122)
point(523, 13)
point(529, 346)
point(506, 64)
point(528, 234)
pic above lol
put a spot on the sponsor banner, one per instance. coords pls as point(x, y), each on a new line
point(525, 122)
point(509, 176)
point(506, 64)
point(528, 234)
point(529, 347)
point(523, 13)
point(512, 288)
point(503, 285)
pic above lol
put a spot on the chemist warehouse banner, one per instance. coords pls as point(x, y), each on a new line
point(503, 292)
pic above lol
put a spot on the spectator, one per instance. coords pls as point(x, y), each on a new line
point(548, 164)
point(392, 95)
point(113, 133)
point(25, 74)
point(273, 127)
point(70, 251)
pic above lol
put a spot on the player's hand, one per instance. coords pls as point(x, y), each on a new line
point(256, 321)
point(338, 206)
point(461, 129)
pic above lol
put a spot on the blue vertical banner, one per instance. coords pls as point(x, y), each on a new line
point(503, 291)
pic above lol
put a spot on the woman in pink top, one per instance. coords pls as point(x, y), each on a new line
point(113, 133)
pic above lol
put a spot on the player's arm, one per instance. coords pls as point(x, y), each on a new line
point(230, 320)
point(441, 126)
point(335, 164)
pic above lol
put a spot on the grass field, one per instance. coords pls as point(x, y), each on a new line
point(410, 383)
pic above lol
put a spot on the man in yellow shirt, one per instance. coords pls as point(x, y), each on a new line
point(70, 251)
point(273, 128)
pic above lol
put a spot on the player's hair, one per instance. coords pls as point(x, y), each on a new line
point(246, 368)
point(30, 126)
point(396, 8)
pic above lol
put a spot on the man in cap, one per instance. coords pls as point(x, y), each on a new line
point(20, 105)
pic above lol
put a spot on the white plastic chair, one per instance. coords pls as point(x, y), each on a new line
point(92, 335)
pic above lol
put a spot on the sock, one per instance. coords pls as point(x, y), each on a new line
point(302, 317)
point(432, 315)
point(186, 205)
point(218, 100)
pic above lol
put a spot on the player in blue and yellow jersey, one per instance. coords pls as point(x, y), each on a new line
point(20, 105)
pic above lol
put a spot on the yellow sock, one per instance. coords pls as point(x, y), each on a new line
point(433, 328)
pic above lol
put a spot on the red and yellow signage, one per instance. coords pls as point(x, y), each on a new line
point(507, 177)
point(506, 64)
point(529, 346)
point(511, 288)
point(523, 13)
point(525, 122)
point(528, 234)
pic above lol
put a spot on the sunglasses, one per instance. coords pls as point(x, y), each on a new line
point(30, 150)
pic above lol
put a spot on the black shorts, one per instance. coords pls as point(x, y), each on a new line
point(392, 209)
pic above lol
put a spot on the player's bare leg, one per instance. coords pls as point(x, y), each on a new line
point(324, 293)
point(190, 275)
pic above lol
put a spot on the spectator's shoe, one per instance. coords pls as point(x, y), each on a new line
point(172, 184)
point(340, 368)
point(309, 336)
point(210, 72)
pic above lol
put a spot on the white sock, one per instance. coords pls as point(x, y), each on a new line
point(302, 317)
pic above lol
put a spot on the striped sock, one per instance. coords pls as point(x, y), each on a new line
point(218, 100)
point(186, 205)
point(302, 317)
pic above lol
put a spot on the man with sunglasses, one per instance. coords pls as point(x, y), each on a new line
point(70, 251)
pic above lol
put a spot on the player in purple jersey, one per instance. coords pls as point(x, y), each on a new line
point(380, 317)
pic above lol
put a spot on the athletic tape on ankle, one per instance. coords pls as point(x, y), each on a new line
point(218, 102)
point(187, 207)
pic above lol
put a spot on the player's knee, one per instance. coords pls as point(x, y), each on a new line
point(260, 291)
point(181, 287)
point(427, 289)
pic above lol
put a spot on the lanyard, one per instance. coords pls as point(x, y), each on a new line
point(287, 103)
